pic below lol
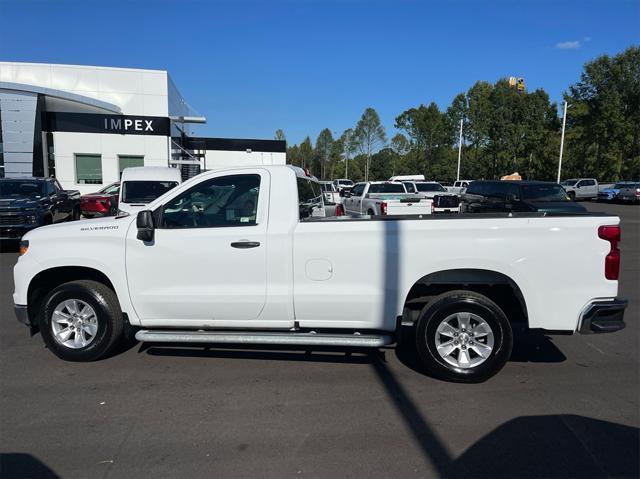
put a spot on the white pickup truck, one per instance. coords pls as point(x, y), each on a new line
point(236, 256)
point(386, 198)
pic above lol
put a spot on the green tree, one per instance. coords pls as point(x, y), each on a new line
point(370, 136)
point(604, 118)
point(306, 153)
point(324, 147)
point(430, 131)
point(349, 147)
point(280, 135)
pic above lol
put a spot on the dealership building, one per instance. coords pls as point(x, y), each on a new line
point(85, 124)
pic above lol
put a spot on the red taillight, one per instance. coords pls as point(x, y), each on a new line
point(612, 260)
point(339, 210)
point(383, 208)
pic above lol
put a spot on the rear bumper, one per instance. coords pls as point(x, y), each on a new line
point(603, 316)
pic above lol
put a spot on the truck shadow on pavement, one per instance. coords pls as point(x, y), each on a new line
point(262, 353)
point(554, 446)
point(15, 465)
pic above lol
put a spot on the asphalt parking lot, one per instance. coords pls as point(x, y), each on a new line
point(564, 406)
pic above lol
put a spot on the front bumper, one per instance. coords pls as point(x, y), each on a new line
point(22, 314)
point(603, 316)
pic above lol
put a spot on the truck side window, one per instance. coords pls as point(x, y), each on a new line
point(225, 201)
point(309, 197)
point(358, 190)
point(51, 189)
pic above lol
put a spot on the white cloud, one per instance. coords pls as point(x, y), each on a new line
point(570, 45)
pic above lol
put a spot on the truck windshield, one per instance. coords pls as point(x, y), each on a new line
point(21, 188)
point(429, 187)
point(145, 191)
point(550, 192)
point(387, 188)
point(328, 187)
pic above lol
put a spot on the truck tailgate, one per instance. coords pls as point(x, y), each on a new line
point(404, 207)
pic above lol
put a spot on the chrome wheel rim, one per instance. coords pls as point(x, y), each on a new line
point(464, 340)
point(74, 324)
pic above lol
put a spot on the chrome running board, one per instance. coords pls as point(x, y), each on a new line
point(255, 337)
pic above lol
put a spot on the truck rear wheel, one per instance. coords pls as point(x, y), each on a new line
point(463, 336)
point(81, 321)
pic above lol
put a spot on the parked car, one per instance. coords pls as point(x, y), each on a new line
point(611, 194)
point(143, 184)
point(26, 203)
point(331, 195)
point(101, 203)
point(343, 183)
point(459, 186)
point(443, 201)
point(384, 198)
point(517, 196)
point(630, 193)
point(581, 188)
point(178, 273)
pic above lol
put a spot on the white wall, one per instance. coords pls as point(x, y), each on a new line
point(136, 92)
point(153, 148)
point(223, 159)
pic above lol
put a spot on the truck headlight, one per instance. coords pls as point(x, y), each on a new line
point(30, 219)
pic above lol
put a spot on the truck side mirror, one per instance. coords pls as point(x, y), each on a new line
point(144, 223)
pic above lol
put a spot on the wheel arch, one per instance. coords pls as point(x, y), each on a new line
point(43, 282)
point(497, 286)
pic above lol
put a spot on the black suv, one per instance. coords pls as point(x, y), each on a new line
point(26, 203)
point(517, 196)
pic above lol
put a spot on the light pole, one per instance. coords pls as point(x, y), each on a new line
point(564, 122)
point(459, 150)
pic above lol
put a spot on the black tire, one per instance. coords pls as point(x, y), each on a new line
point(48, 220)
point(450, 303)
point(104, 302)
point(371, 213)
point(76, 213)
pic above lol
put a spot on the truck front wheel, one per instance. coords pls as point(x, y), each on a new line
point(81, 321)
point(463, 336)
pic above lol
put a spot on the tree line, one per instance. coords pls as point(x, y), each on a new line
point(503, 131)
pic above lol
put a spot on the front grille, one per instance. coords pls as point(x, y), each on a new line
point(11, 219)
point(8, 211)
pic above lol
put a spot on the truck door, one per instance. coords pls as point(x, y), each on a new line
point(207, 261)
point(354, 202)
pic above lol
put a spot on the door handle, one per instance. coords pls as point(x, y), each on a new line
point(244, 244)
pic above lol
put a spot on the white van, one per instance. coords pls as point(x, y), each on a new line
point(141, 185)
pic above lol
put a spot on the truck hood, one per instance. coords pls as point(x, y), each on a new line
point(20, 202)
point(112, 226)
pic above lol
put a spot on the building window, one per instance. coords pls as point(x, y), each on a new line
point(88, 169)
point(128, 161)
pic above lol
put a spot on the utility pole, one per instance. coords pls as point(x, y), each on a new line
point(346, 166)
point(564, 122)
point(459, 151)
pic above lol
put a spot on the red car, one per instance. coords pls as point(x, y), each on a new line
point(101, 203)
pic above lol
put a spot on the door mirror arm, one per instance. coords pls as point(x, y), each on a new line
point(145, 225)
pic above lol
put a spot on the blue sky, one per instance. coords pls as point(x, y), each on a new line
point(253, 67)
